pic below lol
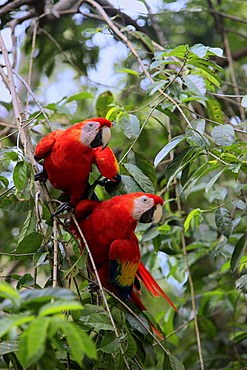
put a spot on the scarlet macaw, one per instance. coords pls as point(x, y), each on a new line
point(69, 154)
point(108, 227)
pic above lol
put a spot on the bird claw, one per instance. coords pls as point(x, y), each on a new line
point(92, 287)
point(105, 180)
point(65, 206)
point(41, 176)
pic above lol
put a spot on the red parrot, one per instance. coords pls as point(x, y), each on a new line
point(108, 227)
point(69, 154)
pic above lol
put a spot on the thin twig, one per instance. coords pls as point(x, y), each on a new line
point(55, 252)
point(27, 86)
point(133, 50)
point(192, 291)
point(31, 61)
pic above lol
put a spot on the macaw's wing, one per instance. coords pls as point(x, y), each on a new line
point(46, 144)
point(124, 258)
point(151, 285)
point(84, 208)
point(106, 162)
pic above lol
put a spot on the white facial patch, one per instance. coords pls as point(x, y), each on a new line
point(141, 205)
point(89, 131)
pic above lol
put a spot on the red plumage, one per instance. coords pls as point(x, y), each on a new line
point(108, 227)
point(69, 155)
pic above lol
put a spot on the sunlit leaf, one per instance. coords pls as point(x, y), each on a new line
point(194, 219)
point(170, 146)
point(196, 84)
point(223, 135)
point(103, 103)
point(59, 306)
point(81, 96)
point(129, 71)
point(244, 101)
point(131, 125)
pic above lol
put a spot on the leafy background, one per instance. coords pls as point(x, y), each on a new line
point(172, 78)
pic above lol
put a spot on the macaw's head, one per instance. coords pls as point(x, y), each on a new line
point(95, 132)
point(146, 207)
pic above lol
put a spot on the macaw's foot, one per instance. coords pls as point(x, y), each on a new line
point(106, 181)
point(92, 287)
point(41, 176)
point(65, 206)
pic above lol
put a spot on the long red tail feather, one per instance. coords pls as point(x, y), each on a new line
point(151, 284)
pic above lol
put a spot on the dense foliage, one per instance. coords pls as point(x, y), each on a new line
point(178, 102)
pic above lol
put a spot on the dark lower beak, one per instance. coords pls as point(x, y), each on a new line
point(97, 141)
point(148, 215)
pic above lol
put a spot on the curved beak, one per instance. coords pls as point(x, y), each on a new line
point(152, 215)
point(157, 213)
point(102, 138)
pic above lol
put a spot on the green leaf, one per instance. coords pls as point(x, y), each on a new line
point(59, 306)
point(46, 294)
point(170, 146)
point(215, 51)
point(80, 96)
point(196, 84)
point(5, 181)
point(7, 291)
point(103, 103)
point(7, 323)
point(78, 341)
point(142, 180)
point(223, 135)
point(136, 324)
point(131, 125)
point(36, 330)
point(194, 219)
point(127, 70)
point(125, 186)
point(100, 321)
point(237, 251)
point(172, 363)
point(223, 221)
point(199, 49)
point(8, 347)
point(28, 225)
point(155, 86)
point(214, 110)
point(25, 280)
point(131, 345)
point(213, 180)
point(20, 175)
point(180, 161)
point(239, 204)
point(109, 343)
point(244, 101)
point(30, 243)
point(145, 39)
point(178, 51)
point(145, 166)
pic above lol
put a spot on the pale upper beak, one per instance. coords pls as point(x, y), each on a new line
point(106, 136)
point(157, 213)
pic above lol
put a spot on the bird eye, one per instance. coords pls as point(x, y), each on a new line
point(90, 125)
point(145, 200)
